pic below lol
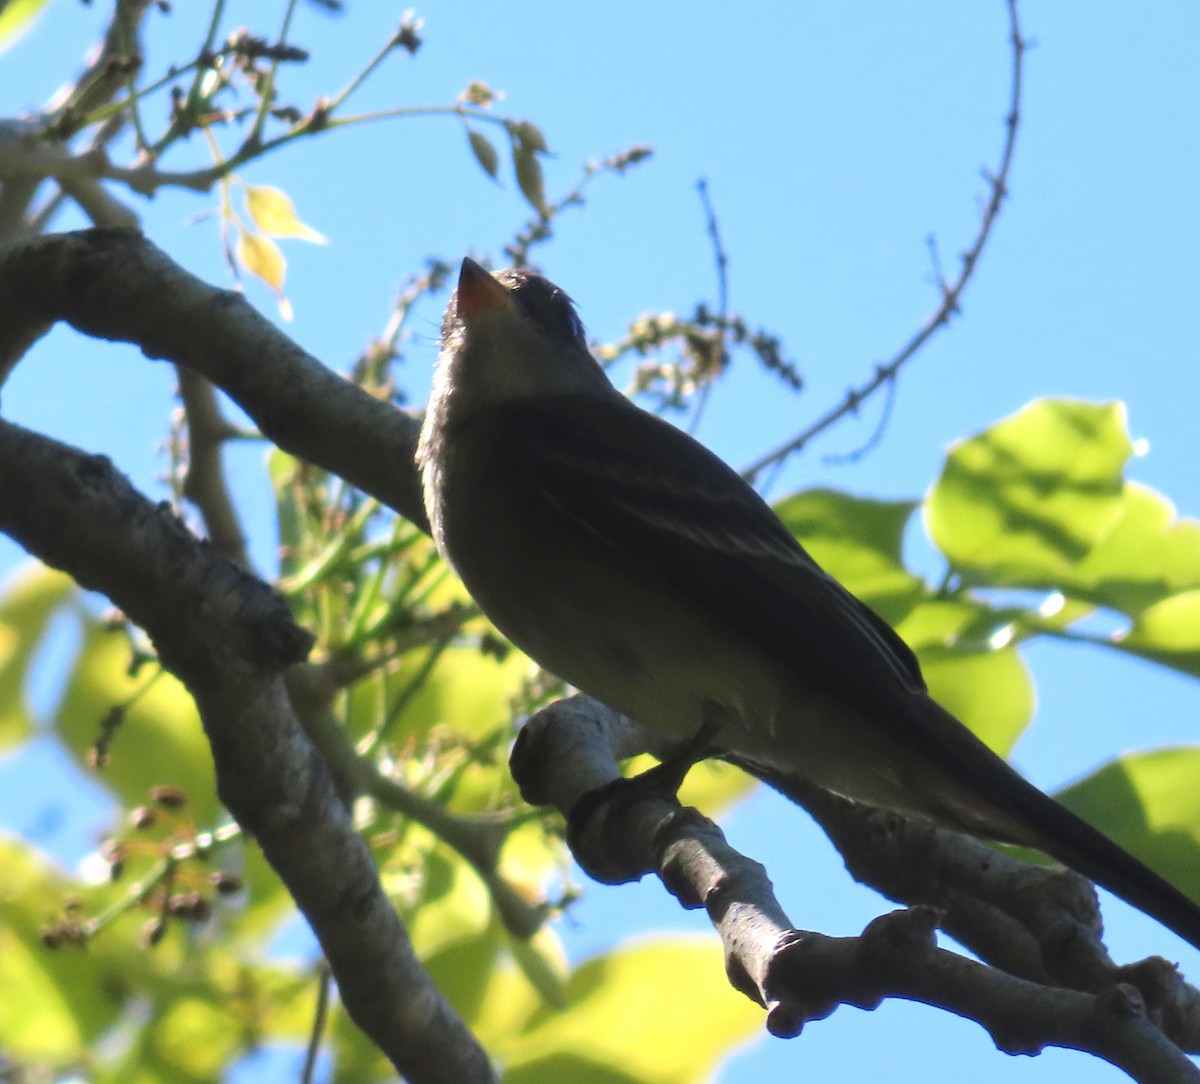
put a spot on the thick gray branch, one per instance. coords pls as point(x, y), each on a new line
point(567, 756)
point(114, 284)
point(230, 639)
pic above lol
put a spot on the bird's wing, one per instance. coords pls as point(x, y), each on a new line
point(689, 521)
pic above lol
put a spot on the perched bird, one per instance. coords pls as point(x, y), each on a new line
point(630, 561)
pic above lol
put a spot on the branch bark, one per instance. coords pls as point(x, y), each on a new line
point(231, 639)
point(116, 285)
point(567, 756)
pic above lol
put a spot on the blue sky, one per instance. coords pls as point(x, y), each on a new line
point(834, 140)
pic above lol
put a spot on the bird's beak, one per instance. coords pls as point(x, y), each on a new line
point(478, 292)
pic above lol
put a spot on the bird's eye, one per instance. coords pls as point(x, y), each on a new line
point(549, 306)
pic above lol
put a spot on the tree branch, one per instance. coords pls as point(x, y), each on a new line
point(230, 639)
point(204, 482)
point(115, 284)
point(567, 756)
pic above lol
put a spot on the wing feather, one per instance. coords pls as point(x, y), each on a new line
point(674, 509)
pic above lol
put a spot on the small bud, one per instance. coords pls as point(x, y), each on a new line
point(478, 93)
point(226, 884)
point(169, 796)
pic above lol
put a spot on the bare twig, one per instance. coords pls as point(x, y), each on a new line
point(204, 483)
point(720, 331)
point(320, 1016)
point(951, 292)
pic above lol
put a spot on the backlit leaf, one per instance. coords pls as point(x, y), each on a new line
point(16, 18)
point(1025, 501)
point(29, 601)
point(259, 255)
point(272, 212)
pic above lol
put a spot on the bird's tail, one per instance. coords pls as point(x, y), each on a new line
point(973, 790)
point(1037, 820)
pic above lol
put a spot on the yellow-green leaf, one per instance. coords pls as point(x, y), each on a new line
point(196, 1036)
point(544, 964)
point(272, 212)
point(469, 691)
point(1169, 633)
point(607, 1032)
point(260, 256)
point(159, 740)
point(29, 601)
point(17, 18)
point(1146, 554)
point(713, 786)
point(940, 625)
point(857, 541)
point(442, 914)
point(56, 1002)
point(1025, 501)
point(990, 691)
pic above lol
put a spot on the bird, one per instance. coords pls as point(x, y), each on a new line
point(627, 559)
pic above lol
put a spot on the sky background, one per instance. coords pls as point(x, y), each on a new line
point(835, 139)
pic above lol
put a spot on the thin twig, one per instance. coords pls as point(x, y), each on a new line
point(722, 264)
point(204, 482)
point(320, 1015)
point(951, 292)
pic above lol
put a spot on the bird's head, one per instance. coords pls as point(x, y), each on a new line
point(511, 335)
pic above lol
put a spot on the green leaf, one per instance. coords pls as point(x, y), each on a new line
point(1168, 633)
point(196, 1037)
point(990, 691)
point(530, 179)
point(1146, 554)
point(608, 1035)
point(544, 965)
point(485, 153)
point(469, 690)
point(1150, 804)
point(159, 740)
point(941, 624)
point(17, 18)
point(28, 604)
point(460, 972)
point(713, 786)
point(56, 1002)
point(858, 541)
point(452, 905)
point(357, 1060)
point(1022, 503)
